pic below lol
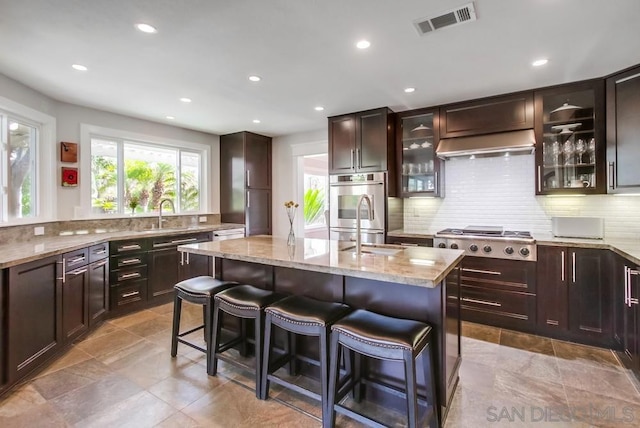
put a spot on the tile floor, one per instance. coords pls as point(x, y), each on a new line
point(123, 376)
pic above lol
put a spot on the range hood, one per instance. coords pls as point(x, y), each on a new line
point(514, 142)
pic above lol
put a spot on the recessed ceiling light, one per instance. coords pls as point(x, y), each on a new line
point(319, 108)
point(79, 67)
point(363, 44)
point(256, 120)
point(170, 117)
point(255, 78)
point(185, 100)
point(13, 126)
point(146, 28)
point(539, 62)
point(409, 90)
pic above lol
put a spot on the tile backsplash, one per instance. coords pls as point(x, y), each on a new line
point(500, 191)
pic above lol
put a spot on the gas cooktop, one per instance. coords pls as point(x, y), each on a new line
point(486, 232)
point(489, 241)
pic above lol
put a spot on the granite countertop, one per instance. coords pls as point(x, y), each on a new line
point(418, 266)
point(15, 254)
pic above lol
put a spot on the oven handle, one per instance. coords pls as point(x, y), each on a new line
point(355, 183)
point(488, 272)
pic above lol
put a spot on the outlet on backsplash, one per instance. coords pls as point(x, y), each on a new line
point(38, 230)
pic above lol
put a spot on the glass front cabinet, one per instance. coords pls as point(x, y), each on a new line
point(418, 168)
point(570, 139)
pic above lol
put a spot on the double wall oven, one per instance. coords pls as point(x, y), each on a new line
point(344, 192)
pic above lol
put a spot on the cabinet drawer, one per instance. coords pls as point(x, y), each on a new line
point(98, 252)
point(128, 274)
point(499, 308)
point(174, 241)
point(410, 242)
point(499, 274)
point(131, 246)
point(126, 294)
point(128, 260)
point(74, 259)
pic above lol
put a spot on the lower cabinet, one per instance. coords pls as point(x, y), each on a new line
point(98, 291)
point(163, 271)
point(34, 314)
point(575, 300)
point(627, 312)
point(410, 242)
point(75, 303)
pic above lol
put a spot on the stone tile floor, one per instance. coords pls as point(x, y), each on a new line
point(123, 376)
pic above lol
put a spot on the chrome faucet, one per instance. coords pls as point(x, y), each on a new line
point(363, 197)
point(173, 208)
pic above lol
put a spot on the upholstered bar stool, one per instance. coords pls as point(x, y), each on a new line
point(199, 290)
point(378, 336)
point(304, 316)
point(245, 302)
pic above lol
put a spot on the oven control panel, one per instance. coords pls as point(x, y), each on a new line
point(493, 248)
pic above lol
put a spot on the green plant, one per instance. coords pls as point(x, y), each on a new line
point(313, 205)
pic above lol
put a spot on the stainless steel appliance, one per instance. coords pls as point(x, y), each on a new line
point(489, 241)
point(344, 192)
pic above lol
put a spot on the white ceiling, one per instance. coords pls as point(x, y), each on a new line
point(305, 52)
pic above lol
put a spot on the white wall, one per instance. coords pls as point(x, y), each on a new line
point(286, 183)
point(69, 117)
point(500, 191)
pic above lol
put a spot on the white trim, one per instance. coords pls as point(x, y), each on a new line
point(47, 177)
point(86, 130)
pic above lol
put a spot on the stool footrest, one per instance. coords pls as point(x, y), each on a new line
point(230, 344)
point(194, 346)
point(191, 331)
point(339, 408)
point(234, 361)
point(294, 387)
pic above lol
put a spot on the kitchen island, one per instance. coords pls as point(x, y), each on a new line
point(400, 282)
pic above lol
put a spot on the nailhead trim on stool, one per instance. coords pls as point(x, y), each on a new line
point(305, 316)
point(199, 290)
point(379, 336)
point(246, 302)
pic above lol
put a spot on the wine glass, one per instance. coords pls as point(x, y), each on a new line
point(581, 149)
point(591, 148)
point(569, 150)
point(555, 150)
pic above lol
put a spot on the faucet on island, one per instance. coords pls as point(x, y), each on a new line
point(173, 208)
point(363, 197)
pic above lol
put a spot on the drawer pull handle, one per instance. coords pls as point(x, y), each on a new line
point(100, 264)
point(100, 252)
point(482, 302)
point(552, 322)
point(129, 261)
point(406, 244)
point(129, 247)
point(183, 241)
point(488, 272)
point(130, 275)
point(76, 260)
point(77, 271)
point(133, 293)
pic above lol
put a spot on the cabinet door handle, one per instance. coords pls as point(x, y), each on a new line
point(573, 267)
point(181, 258)
point(626, 286)
point(562, 266)
point(63, 263)
point(133, 293)
point(76, 260)
point(129, 275)
point(435, 183)
point(539, 179)
point(482, 302)
point(248, 178)
point(612, 175)
point(129, 247)
point(358, 159)
point(632, 300)
point(488, 272)
point(248, 199)
point(188, 258)
point(352, 161)
point(78, 271)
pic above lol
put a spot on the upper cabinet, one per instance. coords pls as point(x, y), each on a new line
point(570, 149)
point(623, 131)
point(361, 142)
point(419, 169)
point(511, 112)
point(245, 181)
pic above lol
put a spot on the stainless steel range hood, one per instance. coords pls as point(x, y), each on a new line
point(514, 142)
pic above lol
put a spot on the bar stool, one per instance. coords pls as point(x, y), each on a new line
point(199, 290)
point(245, 302)
point(305, 316)
point(378, 336)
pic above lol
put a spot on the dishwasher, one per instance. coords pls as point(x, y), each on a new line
point(223, 235)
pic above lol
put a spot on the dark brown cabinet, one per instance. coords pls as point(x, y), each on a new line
point(575, 300)
point(362, 142)
point(623, 129)
point(410, 242)
point(488, 115)
point(33, 302)
point(626, 282)
point(245, 181)
point(75, 303)
point(128, 275)
point(570, 135)
point(98, 291)
point(420, 171)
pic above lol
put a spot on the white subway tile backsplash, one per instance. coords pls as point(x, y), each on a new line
point(500, 191)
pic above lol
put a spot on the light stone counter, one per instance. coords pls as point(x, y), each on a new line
point(628, 248)
point(418, 266)
point(15, 254)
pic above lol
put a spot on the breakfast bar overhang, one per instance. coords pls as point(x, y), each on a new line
point(408, 283)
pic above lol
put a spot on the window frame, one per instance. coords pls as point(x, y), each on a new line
point(122, 137)
point(45, 177)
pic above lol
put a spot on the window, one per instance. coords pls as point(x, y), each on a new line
point(132, 177)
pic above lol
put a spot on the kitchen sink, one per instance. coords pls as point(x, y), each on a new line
point(380, 249)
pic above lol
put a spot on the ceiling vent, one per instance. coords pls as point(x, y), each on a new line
point(459, 15)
